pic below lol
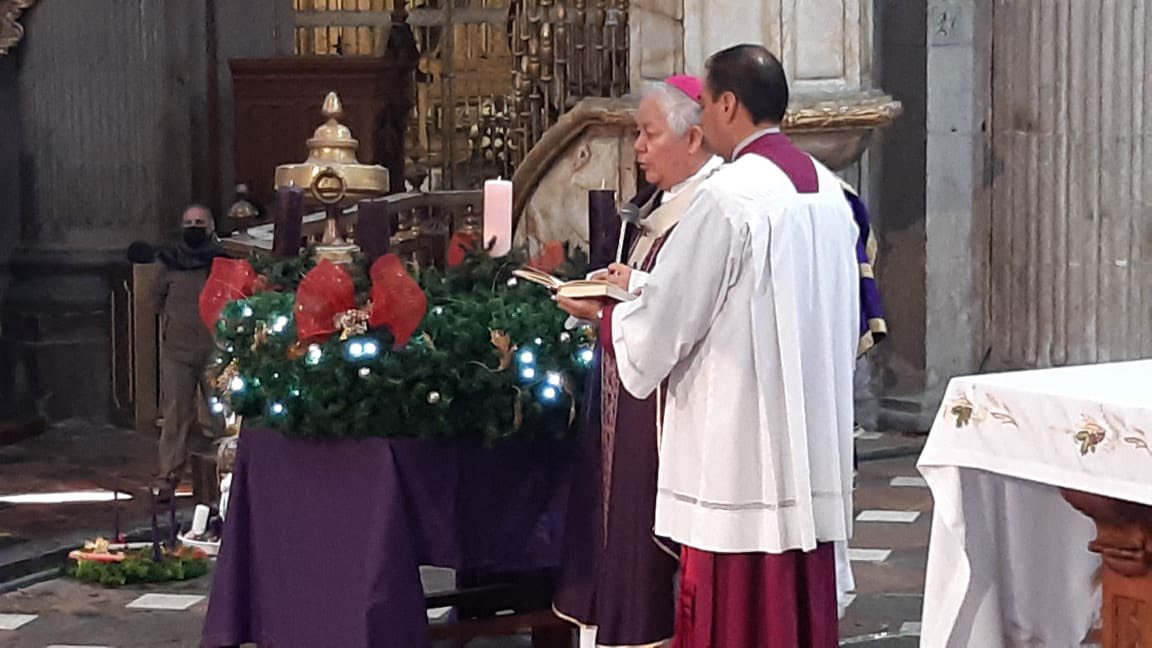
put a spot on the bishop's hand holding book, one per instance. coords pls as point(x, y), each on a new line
point(586, 299)
point(600, 286)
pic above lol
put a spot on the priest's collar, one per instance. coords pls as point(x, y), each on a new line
point(704, 171)
point(752, 138)
point(660, 220)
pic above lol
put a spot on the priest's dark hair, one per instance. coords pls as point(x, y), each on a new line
point(754, 76)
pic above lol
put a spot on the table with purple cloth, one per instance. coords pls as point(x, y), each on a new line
point(324, 538)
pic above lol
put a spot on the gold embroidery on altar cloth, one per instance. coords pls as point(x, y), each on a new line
point(1090, 434)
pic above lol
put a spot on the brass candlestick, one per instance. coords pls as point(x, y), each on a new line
point(334, 178)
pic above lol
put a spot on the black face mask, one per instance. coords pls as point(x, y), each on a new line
point(195, 236)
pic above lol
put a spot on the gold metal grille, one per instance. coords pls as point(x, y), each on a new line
point(493, 75)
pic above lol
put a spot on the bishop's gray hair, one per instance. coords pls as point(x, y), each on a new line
point(681, 111)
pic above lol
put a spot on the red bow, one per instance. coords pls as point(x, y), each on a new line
point(230, 279)
point(326, 302)
point(551, 257)
point(397, 300)
point(459, 246)
point(325, 293)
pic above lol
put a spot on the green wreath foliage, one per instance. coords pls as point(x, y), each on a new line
point(451, 381)
point(138, 567)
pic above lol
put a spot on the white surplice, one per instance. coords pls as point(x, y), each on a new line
point(752, 317)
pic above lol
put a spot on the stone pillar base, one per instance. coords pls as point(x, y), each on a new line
point(65, 326)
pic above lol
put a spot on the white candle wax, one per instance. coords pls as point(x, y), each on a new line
point(200, 519)
point(498, 215)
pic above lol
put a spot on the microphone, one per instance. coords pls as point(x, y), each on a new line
point(630, 211)
point(630, 214)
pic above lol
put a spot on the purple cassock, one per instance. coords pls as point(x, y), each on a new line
point(615, 574)
point(873, 328)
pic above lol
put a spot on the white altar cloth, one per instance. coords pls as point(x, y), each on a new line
point(1008, 563)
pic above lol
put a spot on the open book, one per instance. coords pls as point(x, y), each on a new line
point(575, 289)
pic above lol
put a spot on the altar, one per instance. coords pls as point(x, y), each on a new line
point(325, 538)
point(1011, 562)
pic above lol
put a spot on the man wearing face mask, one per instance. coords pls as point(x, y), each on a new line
point(185, 344)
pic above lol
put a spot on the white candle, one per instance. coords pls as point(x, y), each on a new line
point(498, 215)
point(200, 519)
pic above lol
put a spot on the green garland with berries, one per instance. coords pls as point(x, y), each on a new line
point(490, 362)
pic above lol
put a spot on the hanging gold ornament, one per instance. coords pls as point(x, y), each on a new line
point(351, 322)
point(223, 382)
point(503, 345)
point(260, 335)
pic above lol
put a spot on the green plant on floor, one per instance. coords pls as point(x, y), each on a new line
point(137, 566)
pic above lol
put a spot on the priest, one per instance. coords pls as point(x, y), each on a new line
point(751, 317)
point(617, 581)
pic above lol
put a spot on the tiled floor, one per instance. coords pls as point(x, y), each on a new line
point(893, 513)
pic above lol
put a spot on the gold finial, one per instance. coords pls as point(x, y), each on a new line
point(333, 109)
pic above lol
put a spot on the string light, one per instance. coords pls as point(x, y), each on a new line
point(365, 372)
point(246, 311)
point(585, 356)
point(527, 373)
point(361, 348)
point(237, 384)
point(280, 324)
point(512, 282)
point(314, 354)
point(276, 408)
point(217, 406)
point(555, 379)
point(527, 357)
point(549, 393)
point(439, 310)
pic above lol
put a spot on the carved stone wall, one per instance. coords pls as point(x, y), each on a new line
point(825, 45)
point(657, 34)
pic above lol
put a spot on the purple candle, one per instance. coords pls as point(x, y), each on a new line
point(289, 221)
point(603, 228)
point(374, 228)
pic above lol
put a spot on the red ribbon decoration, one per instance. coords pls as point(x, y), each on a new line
point(551, 257)
point(230, 279)
point(398, 302)
point(324, 293)
point(459, 246)
point(327, 292)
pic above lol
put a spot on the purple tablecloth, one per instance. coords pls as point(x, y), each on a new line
point(324, 539)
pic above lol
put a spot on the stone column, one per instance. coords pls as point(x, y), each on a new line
point(113, 123)
point(10, 205)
